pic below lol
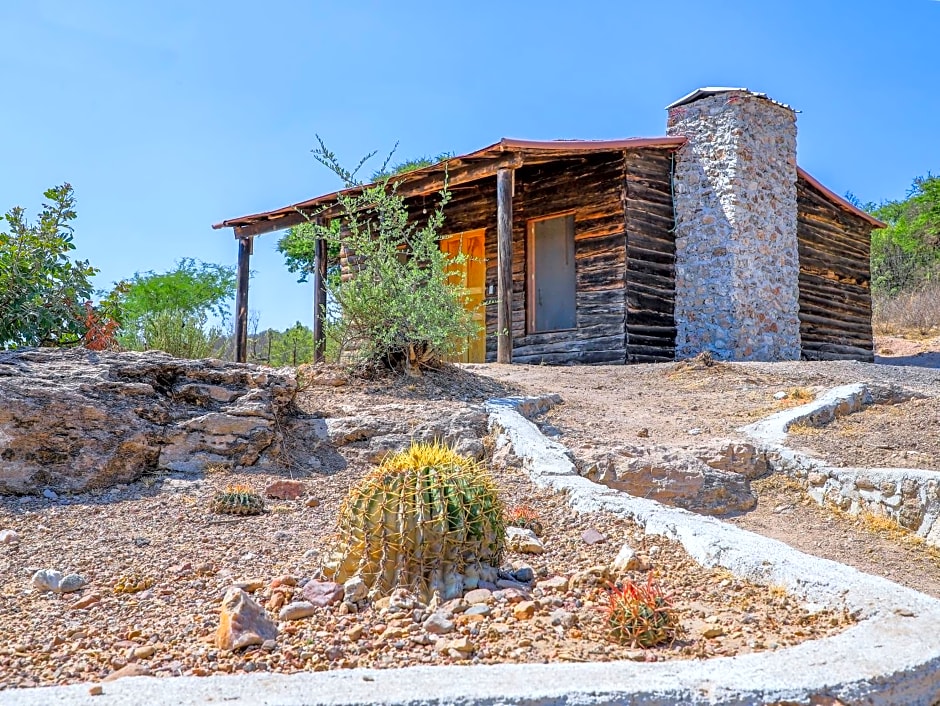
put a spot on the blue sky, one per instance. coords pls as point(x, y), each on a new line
point(170, 116)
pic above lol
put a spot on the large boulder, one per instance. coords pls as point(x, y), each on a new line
point(710, 480)
point(77, 419)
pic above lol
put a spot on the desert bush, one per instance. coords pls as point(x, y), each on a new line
point(916, 311)
point(417, 521)
point(399, 308)
point(179, 333)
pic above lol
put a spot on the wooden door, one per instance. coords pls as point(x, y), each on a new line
point(471, 274)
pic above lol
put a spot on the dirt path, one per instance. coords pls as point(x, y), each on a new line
point(682, 405)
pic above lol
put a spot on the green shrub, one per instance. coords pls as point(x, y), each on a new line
point(398, 308)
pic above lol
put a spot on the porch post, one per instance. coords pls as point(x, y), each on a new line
point(241, 300)
point(319, 300)
point(504, 266)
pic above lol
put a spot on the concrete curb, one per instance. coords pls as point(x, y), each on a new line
point(891, 656)
point(910, 496)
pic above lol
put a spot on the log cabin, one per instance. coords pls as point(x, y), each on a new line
point(709, 238)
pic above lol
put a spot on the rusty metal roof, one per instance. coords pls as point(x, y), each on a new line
point(839, 201)
point(488, 160)
point(528, 151)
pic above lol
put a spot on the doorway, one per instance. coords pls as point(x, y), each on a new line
point(470, 274)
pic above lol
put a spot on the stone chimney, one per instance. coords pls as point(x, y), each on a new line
point(737, 265)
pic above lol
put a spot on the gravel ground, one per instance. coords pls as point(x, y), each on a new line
point(160, 531)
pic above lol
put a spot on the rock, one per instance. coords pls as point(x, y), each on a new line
point(47, 580)
point(643, 433)
point(144, 652)
point(77, 419)
point(86, 602)
point(592, 536)
point(355, 590)
point(478, 609)
point(133, 669)
point(250, 585)
point(285, 489)
point(523, 610)
point(780, 395)
point(563, 618)
point(713, 632)
point(460, 645)
point(9, 536)
point(626, 560)
point(242, 622)
point(50, 494)
point(508, 583)
point(682, 478)
point(96, 690)
point(322, 593)
point(523, 541)
point(311, 502)
point(354, 633)
point(524, 574)
point(401, 599)
point(71, 583)
point(555, 584)
point(478, 595)
point(297, 610)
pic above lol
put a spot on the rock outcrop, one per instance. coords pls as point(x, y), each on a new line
point(76, 419)
point(712, 479)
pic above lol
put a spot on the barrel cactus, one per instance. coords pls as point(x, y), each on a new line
point(237, 500)
point(416, 522)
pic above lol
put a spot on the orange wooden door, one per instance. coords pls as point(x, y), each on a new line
point(471, 274)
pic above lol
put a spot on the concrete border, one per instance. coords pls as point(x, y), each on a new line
point(909, 496)
point(891, 656)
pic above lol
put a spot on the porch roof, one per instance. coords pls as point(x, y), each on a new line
point(507, 153)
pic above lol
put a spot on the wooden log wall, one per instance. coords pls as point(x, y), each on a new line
point(624, 253)
point(592, 187)
point(835, 278)
point(651, 257)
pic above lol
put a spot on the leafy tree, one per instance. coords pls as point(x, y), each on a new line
point(171, 310)
point(398, 310)
point(42, 291)
point(906, 255)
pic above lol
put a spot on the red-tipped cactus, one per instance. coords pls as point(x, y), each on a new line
point(641, 615)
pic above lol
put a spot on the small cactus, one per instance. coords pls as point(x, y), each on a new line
point(416, 522)
point(525, 517)
point(132, 583)
point(237, 500)
point(641, 615)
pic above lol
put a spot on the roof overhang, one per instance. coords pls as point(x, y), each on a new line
point(839, 201)
point(507, 153)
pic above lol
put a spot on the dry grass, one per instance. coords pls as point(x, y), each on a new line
point(912, 314)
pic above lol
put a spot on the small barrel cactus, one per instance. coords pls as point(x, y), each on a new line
point(416, 522)
point(525, 517)
point(237, 500)
point(641, 615)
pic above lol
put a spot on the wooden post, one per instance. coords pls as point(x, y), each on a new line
point(319, 301)
point(504, 266)
point(241, 300)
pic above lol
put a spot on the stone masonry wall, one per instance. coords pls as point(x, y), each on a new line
point(737, 266)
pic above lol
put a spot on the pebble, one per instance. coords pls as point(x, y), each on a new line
point(563, 618)
point(9, 536)
point(95, 690)
point(438, 624)
point(592, 536)
point(71, 583)
point(131, 670)
point(355, 590)
point(478, 595)
point(478, 609)
point(242, 622)
point(694, 431)
point(506, 583)
point(322, 593)
point(47, 580)
point(354, 633)
point(523, 541)
point(285, 489)
point(50, 494)
point(524, 574)
point(297, 610)
point(86, 602)
point(145, 652)
point(626, 560)
point(523, 610)
point(554, 584)
point(780, 395)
